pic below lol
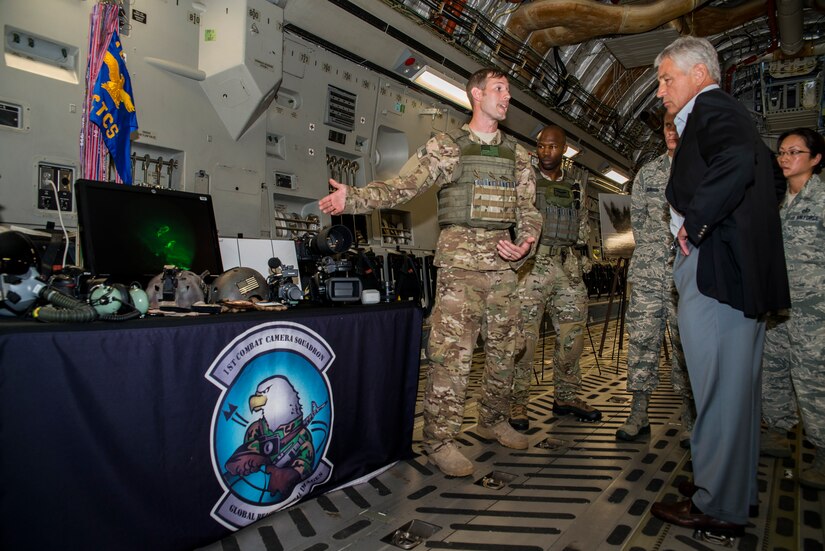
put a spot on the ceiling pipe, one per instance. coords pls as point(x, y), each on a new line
point(572, 21)
point(550, 23)
point(710, 21)
point(818, 5)
point(772, 26)
point(453, 10)
point(789, 20)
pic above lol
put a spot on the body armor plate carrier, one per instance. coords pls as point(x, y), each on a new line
point(555, 201)
point(483, 191)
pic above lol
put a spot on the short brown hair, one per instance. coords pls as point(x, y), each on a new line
point(479, 79)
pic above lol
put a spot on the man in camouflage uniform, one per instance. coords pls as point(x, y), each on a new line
point(653, 295)
point(553, 280)
point(487, 189)
point(795, 346)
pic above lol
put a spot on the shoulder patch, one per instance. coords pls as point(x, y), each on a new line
point(421, 151)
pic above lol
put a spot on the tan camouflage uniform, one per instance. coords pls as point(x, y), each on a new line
point(794, 358)
point(553, 281)
point(653, 296)
point(475, 287)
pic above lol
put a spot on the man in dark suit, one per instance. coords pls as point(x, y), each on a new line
point(724, 193)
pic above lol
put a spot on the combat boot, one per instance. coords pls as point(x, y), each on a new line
point(505, 435)
point(518, 417)
point(637, 422)
point(775, 443)
point(577, 407)
point(450, 461)
point(814, 476)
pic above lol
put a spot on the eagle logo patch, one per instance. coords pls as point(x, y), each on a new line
point(272, 425)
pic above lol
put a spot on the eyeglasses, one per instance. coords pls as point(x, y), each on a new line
point(793, 153)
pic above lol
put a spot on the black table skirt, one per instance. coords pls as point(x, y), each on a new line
point(136, 435)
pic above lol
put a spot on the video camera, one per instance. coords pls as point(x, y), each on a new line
point(282, 286)
point(324, 268)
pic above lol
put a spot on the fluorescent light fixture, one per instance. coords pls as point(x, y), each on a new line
point(442, 85)
point(571, 151)
point(616, 176)
point(40, 68)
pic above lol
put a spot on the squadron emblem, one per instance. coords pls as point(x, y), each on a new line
point(272, 425)
point(115, 85)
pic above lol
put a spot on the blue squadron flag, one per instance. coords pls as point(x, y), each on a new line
point(113, 108)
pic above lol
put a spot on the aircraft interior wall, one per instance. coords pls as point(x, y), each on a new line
point(256, 135)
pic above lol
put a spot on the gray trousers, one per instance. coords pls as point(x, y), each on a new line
point(723, 351)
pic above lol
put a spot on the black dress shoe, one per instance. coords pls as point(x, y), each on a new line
point(577, 407)
point(685, 513)
point(687, 488)
point(520, 424)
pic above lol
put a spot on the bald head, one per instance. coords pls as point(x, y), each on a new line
point(550, 146)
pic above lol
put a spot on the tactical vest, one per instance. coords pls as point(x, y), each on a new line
point(561, 218)
point(482, 193)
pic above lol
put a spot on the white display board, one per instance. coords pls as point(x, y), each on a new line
point(255, 253)
point(617, 233)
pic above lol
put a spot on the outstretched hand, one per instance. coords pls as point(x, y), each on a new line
point(512, 252)
point(335, 201)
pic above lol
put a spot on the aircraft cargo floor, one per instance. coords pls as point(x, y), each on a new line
point(580, 491)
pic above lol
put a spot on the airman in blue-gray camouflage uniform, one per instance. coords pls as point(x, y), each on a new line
point(553, 280)
point(794, 358)
point(653, 295)
point(486, 189)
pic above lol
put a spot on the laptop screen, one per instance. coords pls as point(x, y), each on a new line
point(132, 232)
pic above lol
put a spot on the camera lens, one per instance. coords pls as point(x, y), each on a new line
point(332, 240)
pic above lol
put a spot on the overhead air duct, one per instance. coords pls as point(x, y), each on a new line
point(789, 20)
point(563, 22)
point(710, 21)
point(818, 5)
point(550, 23)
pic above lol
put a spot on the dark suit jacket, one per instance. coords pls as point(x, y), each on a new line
point(727, 184)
